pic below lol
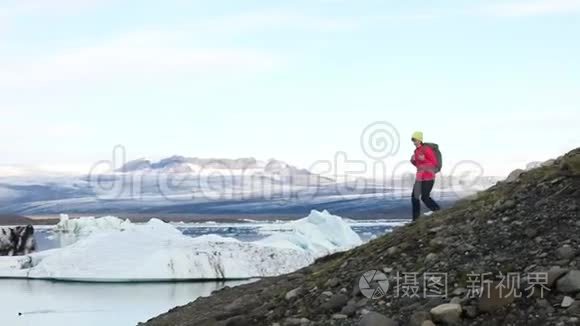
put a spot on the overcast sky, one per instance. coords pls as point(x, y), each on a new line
point(496, 82)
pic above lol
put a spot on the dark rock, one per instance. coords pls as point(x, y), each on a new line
point(362, 302)
point(494, 298)
point(566, 252)
point(356, 287)
point(411, 307)
point(437, 242)
point(470, 311)
point(296, 322)
point(514, 175)
point(555, 274)
point(295, 276)
point(545, 305)
point(574, 309)
point(339, 316)
point(569, 283)
point(531, 232)
point(430, 258)
point(459, 292)
point(508, 204)
point(237, 306)
point(349, 310)
point(335, 303)
point(333, 282)
point(392, 251)
point(417, 318)
point(239, 321)
point(376, 319)
point(293, 294)
point(456, 300)
point(447, 313)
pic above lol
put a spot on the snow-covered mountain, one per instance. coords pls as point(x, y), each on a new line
point(181, 164)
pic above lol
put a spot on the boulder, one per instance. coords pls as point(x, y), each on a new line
point(335, 303)
point(514, 175)
point(293, 294)
point(567, 302)
point(239, 321)
point(430, 258)
point(569, 283)
point(376, 319)
point(392, 251)
point(448, 313)
point(555, 274)
point(566, 252)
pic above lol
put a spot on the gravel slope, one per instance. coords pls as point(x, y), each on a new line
point(529, 226)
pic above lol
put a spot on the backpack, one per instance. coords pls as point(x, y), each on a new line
point(437, 152)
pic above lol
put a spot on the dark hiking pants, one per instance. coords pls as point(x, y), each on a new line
point(422, 190)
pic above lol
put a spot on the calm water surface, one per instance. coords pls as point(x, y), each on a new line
point(49, 303)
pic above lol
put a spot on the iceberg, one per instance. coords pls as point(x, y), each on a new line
point(320, 234)
point(157, 251)
point(88, 225)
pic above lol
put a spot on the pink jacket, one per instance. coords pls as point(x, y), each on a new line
point(425, 160)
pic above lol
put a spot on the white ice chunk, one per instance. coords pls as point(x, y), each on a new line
point(88, 225)
point(320, 234)
point(157, 251)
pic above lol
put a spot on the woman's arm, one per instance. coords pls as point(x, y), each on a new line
point(430, 158)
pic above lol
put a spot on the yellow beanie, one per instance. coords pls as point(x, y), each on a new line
point(418, 135)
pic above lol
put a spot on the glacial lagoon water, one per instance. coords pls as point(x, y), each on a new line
point(49, 303)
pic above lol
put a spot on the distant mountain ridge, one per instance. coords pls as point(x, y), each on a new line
point(218, 186)
point(182, 164)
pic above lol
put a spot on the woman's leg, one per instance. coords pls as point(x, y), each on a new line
point(426, 188)
point(415, 195)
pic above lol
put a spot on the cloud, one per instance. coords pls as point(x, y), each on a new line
point(533, 8)
point(268, 19)
point(133, 56)
point(148, 53)
point(13, 8)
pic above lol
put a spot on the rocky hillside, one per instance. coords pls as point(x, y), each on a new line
point(527, 228)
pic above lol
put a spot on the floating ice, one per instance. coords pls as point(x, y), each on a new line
point(320, 234)
point(88, 225)
point(157, 251)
